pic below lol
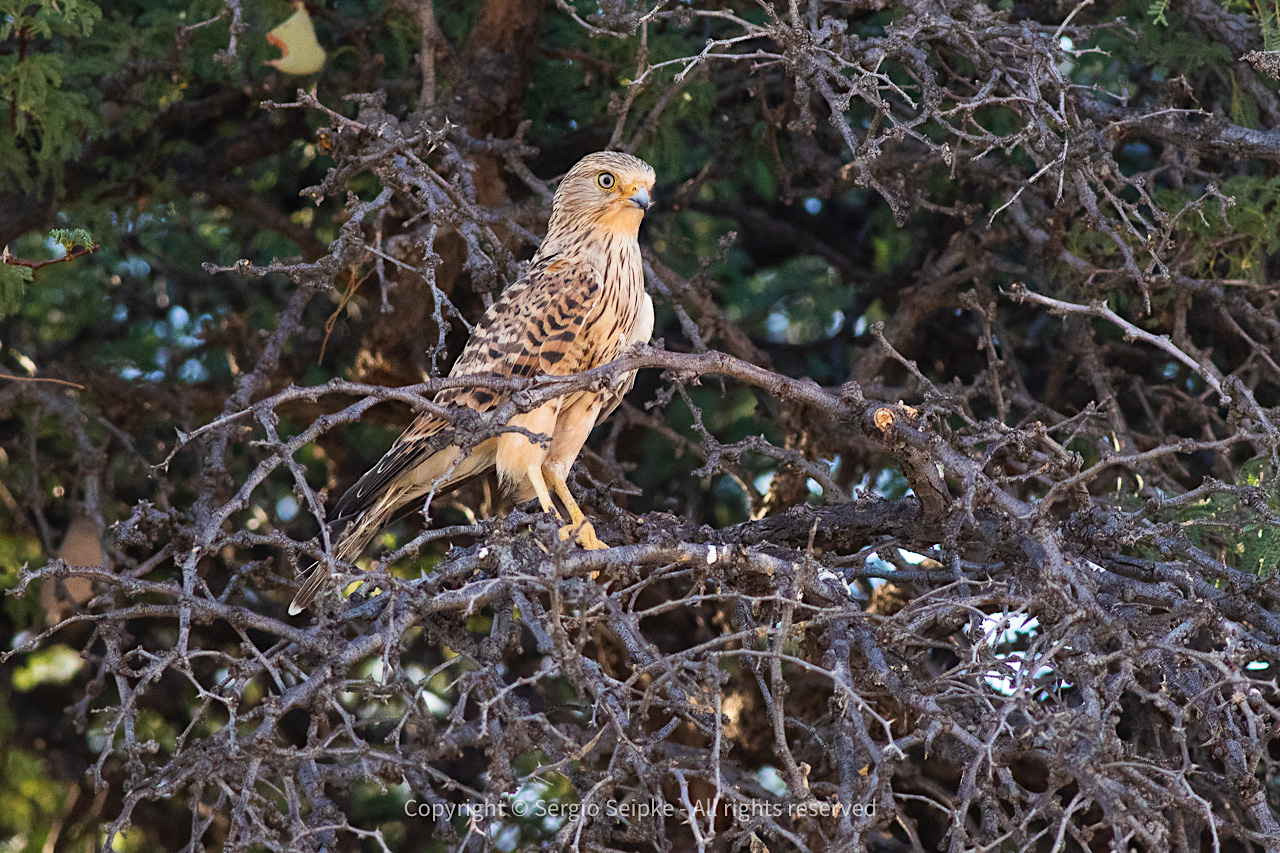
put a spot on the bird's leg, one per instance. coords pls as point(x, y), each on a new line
point(578, 524)
point(540, 489)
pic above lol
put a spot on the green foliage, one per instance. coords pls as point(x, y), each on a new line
point(16, 552)
point(47, 120)
point(53, 665)
point(30, 799)
point(15, 277)
point(1175, 50)
point(1269, 23)
point(1180, 51)
point(13, 282)
point(1266, 13)
point(69, 239)
point(1234, 532)
point(16, 297)
point(797, 302)
point(1231, 241)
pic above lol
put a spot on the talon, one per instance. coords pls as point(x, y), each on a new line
point(585, 535)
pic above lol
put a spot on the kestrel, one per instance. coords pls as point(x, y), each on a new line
point(580, 305)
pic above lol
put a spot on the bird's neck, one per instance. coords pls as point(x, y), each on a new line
point(597, 247)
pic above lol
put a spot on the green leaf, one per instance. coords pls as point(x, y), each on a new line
point(70, 238)
point(13, 283)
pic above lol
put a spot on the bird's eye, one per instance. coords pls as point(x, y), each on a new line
point(606, 180)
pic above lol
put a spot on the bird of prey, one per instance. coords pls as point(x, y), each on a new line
point(580, 305)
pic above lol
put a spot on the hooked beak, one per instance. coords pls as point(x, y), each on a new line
point(640, 198)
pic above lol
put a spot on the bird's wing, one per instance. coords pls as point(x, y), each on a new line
point(541, 325)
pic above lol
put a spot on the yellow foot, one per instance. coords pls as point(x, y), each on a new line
point(585, 534)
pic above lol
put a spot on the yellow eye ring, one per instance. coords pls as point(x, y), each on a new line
point(606, 180)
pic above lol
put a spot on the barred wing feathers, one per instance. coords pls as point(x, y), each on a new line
point(541, 325)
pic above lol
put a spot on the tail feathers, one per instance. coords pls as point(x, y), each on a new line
point(368, 513)
point(317, 577)
point(364, 528)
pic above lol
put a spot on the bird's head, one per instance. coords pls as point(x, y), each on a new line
point(607, 191)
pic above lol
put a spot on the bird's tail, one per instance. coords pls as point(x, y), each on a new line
point(363, 528)
point(369, 505)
